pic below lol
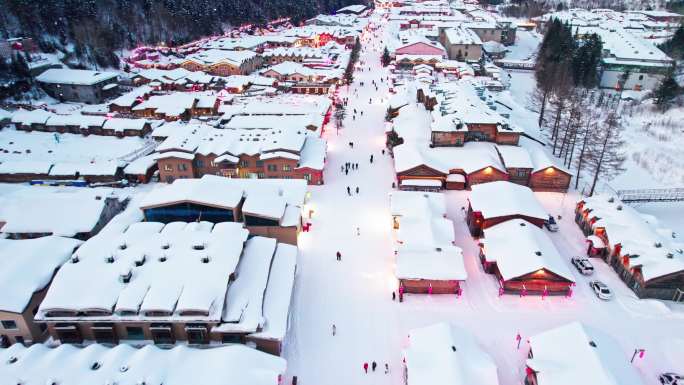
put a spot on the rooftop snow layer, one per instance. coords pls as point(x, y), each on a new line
point(27, 266)
point(75, 77)
point(501, 198)
point(126, 365)
point(520, 248)
point(444, 354)
point(40, 211)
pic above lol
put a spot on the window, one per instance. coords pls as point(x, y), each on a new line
point(231, 339)
point(244, 163)
point(260, 163)
point(197, 333)
point(162, 333)
point(182, 167)
point(68, 334)
point(9, 325)
point(199, 163)
point(168, 167)
point(287, 167)
point(521, 173)
point(135, 333)
point(307, 177)
point(272, 167)
point(104, 333)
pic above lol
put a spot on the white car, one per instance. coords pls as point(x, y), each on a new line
point(671, 379)
point(551, 224)
point(601, 290)
point(583, 265)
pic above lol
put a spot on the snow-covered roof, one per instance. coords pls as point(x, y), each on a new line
point(279, 293)
point(216, 56)
point(472, 157)
point(501, 198)
point(53, 212)
point(25, 167)
point(27, 266)
point(75, 77)
point(520, 248)
point(515, 157)
point(26, 117)
point(141, 165)
point(85, 169)
point(425, 237)
point(649, 245)
point(174, 268)
point(245, 296)
point(445, 263)
point(445, 354)
point(150, 365)
point(462, 35)
point(223, 192)
point(578, 354)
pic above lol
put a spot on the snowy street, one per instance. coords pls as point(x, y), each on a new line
point(355, 294)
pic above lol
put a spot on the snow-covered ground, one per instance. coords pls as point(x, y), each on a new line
point(355, 294)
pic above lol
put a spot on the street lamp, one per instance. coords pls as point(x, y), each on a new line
point(637, 351)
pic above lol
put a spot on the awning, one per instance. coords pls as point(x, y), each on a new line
point(596, 242)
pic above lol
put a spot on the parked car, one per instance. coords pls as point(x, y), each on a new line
point(583, 265)
point(671, 379)
point(601, 290)
point(551, 224)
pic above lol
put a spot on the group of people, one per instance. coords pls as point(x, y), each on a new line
point(373, 366)
point(349, 166)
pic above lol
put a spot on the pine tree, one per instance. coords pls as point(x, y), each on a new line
point(666, 91)
point(386, 57)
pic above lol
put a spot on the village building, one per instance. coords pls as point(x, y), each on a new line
point(244, 153)
point(34, 213)
point(79, 85)
point(645, 255)
point(126, 364)
point(26, 270)
point(178, 106)
point(461, 43)
point(578, 354)
point(497, 202)
point(446, 354)
point(410, 49)
point(142, 169)
point(222, 63)
point(303, 79)
point(271, 207)
point(356, 9)
point(428, 262)
point(29, 120)
point(629, 60)
point(524, 259)
point(196, 282)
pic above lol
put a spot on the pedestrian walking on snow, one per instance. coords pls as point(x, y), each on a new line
point(357, 165)
point(374, 365)
point(394, 295)
point(371, 158)
point(346, 171)
point(358, 231)
point(365, 367)
point(334, 330)
point(348, 190)
point(342, 168)
point(357, 189)
point(339, 256)
point(386, 368)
